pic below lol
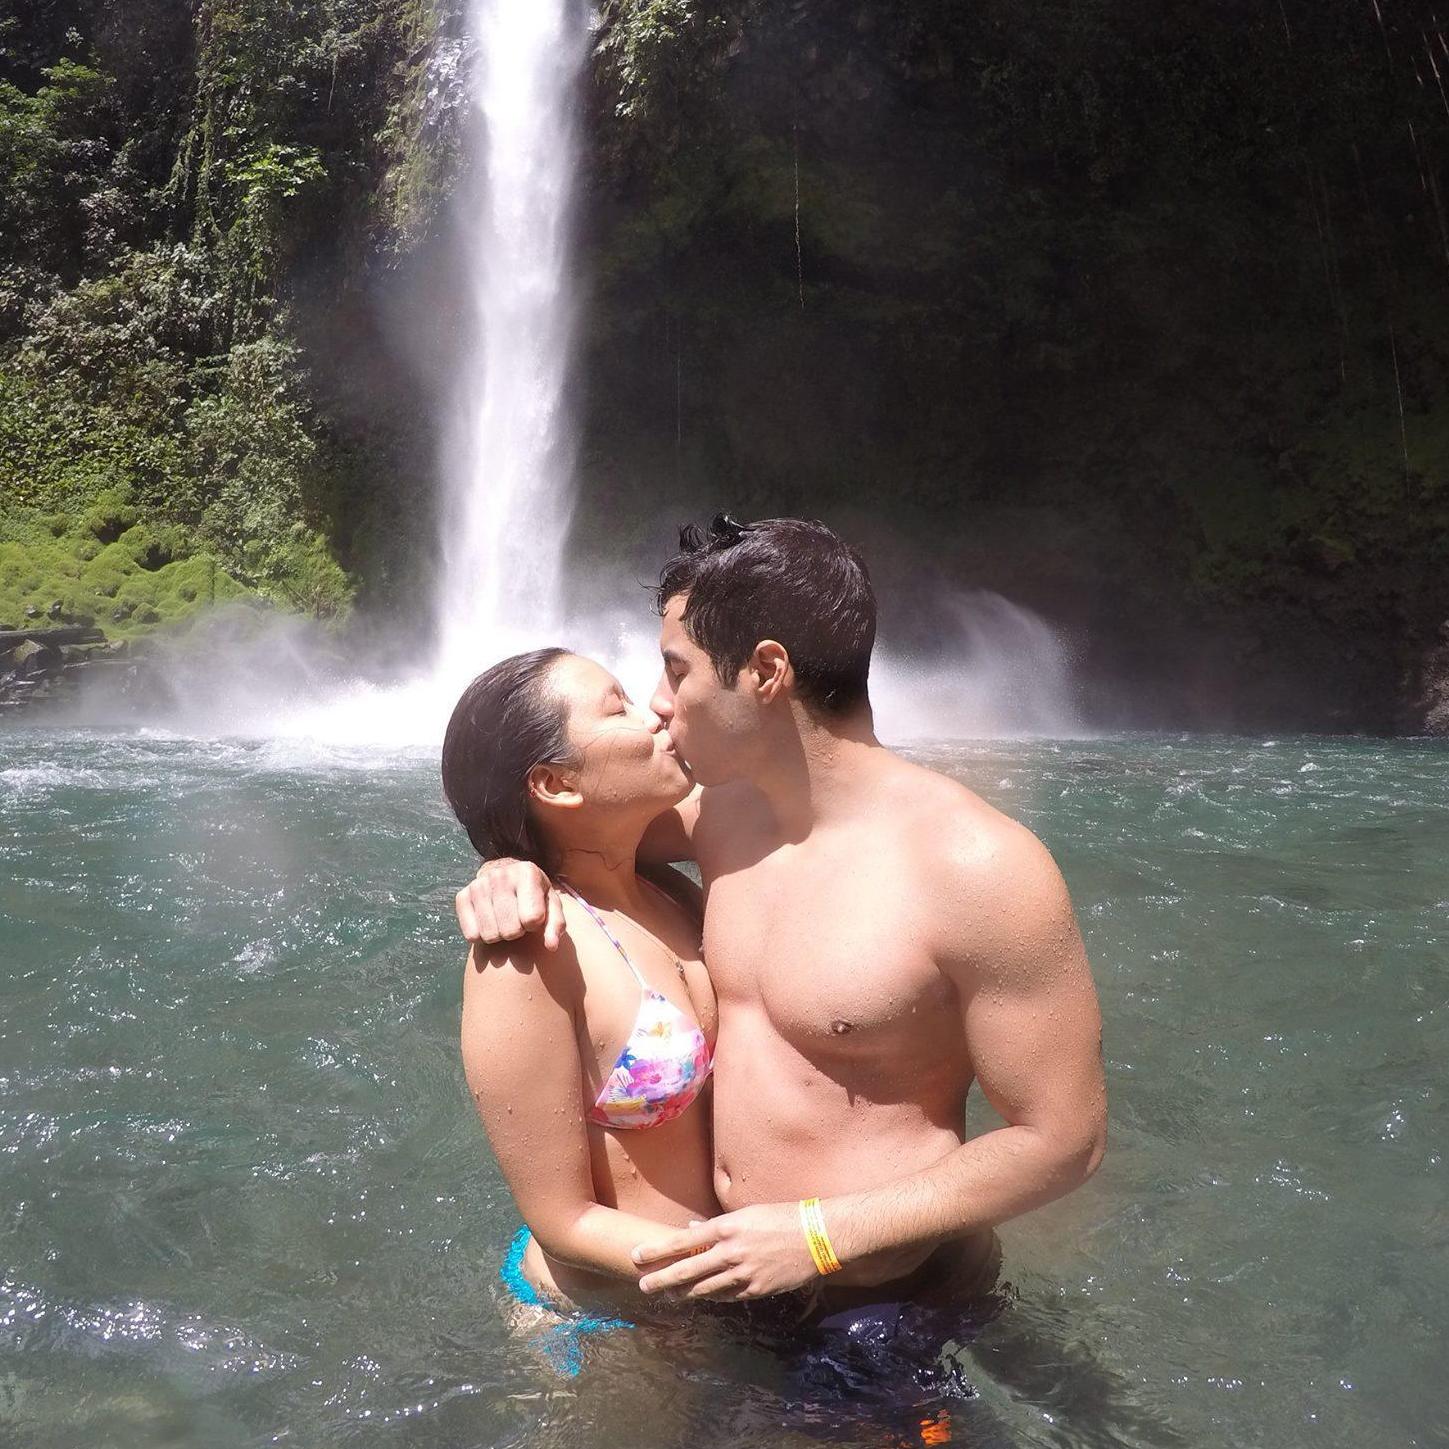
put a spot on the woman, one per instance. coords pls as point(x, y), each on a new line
point(588, 1064)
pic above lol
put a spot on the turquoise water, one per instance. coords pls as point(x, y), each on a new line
point(244, 1200)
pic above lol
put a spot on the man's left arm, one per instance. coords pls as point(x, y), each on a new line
point(1032, 1030)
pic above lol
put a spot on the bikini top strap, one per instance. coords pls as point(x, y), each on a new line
point(613, 939)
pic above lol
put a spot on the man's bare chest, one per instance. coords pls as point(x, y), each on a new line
point(835, 959)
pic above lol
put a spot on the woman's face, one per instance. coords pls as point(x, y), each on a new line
point(624, 754)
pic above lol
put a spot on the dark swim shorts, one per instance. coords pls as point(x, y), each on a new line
point(897, 1362)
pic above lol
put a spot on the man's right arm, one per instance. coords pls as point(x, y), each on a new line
point(506, 900)
point(509, 899)
point(670, 836)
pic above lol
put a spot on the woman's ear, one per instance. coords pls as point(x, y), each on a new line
point(770, 670)
point(555, 786)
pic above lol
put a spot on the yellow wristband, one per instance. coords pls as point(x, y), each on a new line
point(812, 1224)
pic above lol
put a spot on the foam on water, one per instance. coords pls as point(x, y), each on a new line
point(1000, 673)
point(41, 779)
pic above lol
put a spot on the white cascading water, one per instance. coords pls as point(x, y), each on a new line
point(997, 670)
point(510, 460)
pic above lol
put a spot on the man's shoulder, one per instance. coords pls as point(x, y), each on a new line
point(953, 823)
point(972, 853)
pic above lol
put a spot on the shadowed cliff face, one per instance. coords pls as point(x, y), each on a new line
point(1132, 313)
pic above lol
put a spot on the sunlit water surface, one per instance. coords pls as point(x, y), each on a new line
point(244, 1199)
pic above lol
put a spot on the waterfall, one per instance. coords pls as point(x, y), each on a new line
point(508, 450)
point(508, 476)
point(509, 460)
point(997, 669)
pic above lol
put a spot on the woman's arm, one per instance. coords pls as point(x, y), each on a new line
point(521, 1059)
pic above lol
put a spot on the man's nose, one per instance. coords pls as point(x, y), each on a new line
point(660, 704)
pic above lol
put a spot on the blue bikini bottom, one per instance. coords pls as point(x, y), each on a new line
point(561, 1342)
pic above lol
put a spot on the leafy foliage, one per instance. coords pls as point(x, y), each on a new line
point(163, 172)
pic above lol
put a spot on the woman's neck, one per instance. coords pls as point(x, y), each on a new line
point(604, 875)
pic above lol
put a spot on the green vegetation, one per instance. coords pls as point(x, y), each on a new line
point(162, 174)
point(1134, 311)
point(106, 569)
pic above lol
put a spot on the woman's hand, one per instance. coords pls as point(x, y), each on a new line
point(508, 899)
point(751, 1253)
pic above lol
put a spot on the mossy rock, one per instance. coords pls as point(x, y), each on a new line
point(145, 577)
point(32, 657)
point(110, 515)
point(151, 547)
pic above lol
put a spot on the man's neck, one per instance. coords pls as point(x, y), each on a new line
point(812, 766)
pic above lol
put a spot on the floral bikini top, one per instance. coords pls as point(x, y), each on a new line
point(665, 1062)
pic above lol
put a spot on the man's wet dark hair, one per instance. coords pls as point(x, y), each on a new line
point(506, 722)
point(788, 579)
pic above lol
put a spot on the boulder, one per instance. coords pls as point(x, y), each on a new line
point(31, 658)
point(1430, 711)
point(43, 665)
point(1436, 713)
point(77, 634)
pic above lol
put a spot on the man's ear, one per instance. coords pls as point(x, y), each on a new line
point(770, 670)
point(555, 786)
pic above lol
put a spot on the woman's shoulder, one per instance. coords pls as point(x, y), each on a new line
point(583, 939)
point(508, 970)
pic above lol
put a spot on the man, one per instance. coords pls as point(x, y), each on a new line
point(878, 937)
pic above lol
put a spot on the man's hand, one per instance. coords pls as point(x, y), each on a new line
point(508, 899)
point(751, 1253)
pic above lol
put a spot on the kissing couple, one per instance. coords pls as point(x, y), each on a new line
point(758, 1088)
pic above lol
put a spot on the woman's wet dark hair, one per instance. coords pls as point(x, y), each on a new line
point(506, 722)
